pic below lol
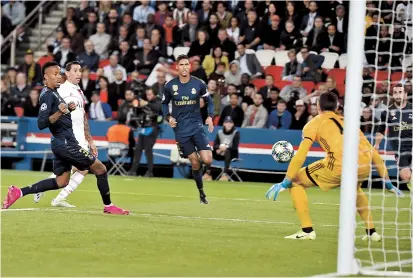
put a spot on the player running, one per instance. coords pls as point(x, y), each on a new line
point(71, 92)
point(55, 114)
point(327, 130)
point(185, 91)
point(398, 118)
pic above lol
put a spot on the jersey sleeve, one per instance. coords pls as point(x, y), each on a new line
point(166, 98)
point(203, 92)
point(381, 126)
point(310, 131)
point(46, 103)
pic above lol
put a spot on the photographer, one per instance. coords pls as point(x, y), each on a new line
point(145, 116)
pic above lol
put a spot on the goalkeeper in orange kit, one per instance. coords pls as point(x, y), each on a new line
point(327, 130)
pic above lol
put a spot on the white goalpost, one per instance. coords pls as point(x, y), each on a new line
point(392, 217)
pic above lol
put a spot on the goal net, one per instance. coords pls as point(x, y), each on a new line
point(387, 62)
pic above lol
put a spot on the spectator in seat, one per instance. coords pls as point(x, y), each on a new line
point(150, 25)
point(290, 37)
point(233, 30)
point(213, 29)
point(292, 68)
point(377, 107)
point(291, 14)
point(171, 31)
point(32, 69)
point(331, 86)
point(87, 85)
point(312, 98)
point(128, 22)
point(269, 11)
point(250, 31)
point(146, 59)
point(201, 47)
point(65, 54)
point(159, 87)
point(181, 13)
point(271, 103)
point(126, 57)
point(70, 17)
point(233, 76)
point(230, 89)
point(21, 91)
point(399, 47)
point(136, 40)
point(7, 102)
point(408, 89)
point(272, 34)
point(407, 76)
point(115, 41)
point(215, 94)
point(31, 105)
point(112, 23)
point(109, 70)
point(211, 62)
point(205, 13)
point(89, 58)
point(315, 35)
point(307, 22)
point(198, 71)
point(248, 63)
point(245, 82)
point(311, 66)
point(141, 12)
point(332, 41)
point(101, 41)
point(372, 33)
point(367, 121)
point(76, 39)
point(11, 75)
point(232, 110)
point(125, 6)
point(313, 112)
point(103, 9)
point(189, 31)
point(218, 75)
point(368, 80)
point(242, 15)
point(280, 118)
point(158, 43)
point(103, 86)
point(99, 111)
point(300, 117)
point(227, 46)
point(89, 28)
point(55, 42)
point(137, 85)
point(116, 90)
point(162, 13)
point(341, 20)
point(6, 25)
point(126, 109)
point(223, 15)
point(226, 146)
point(256, 115)
point(15, 11)
point(295, 86)
point(269, 84)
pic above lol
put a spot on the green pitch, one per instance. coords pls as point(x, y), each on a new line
point(170, 234)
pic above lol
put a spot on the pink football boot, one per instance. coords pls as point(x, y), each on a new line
point(112, 209)
point(13, 195)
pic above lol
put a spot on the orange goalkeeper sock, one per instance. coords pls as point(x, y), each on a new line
point(300, 201)
point(363, 209)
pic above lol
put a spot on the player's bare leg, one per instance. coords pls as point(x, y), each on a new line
point(75, 180)
point(406, 176)
point(197, 172)
point(103, 185)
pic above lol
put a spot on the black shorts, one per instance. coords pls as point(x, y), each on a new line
point(68, 155)
point(404, 159)
point(195, 143)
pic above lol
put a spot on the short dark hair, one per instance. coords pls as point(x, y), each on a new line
point(252, 86)
point(49, 65)
point(70, 64)
point(281, 100)
point(328, 102)
point(398, 85)
point(182, 57)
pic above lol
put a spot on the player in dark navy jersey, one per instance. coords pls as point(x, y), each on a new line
point(184, 92)
point(55, 114)
point(398, 119)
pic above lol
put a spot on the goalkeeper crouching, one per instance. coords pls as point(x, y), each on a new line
point(327, 130)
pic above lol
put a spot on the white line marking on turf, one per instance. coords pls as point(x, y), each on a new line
point(19, 209)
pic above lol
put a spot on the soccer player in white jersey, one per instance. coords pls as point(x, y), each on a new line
point(71, 92)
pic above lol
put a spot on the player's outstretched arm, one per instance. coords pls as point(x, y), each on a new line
point(45, 119)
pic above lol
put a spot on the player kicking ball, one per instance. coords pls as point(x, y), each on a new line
point(327, 130)
point(55, 114)
point(71, 92)
point(185, 92)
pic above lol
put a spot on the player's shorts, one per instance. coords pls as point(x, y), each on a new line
point(195, 143)
point(68, 155)
point(319, 174)
point(404, 160)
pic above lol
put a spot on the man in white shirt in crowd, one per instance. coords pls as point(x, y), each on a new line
point(110, 70)
point(140, 13)
point(308, 20)
point(15, 11)
point(99, 111)
point(101, 41)
point(71, 92)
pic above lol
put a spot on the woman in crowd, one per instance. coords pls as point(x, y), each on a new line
point(211, 61)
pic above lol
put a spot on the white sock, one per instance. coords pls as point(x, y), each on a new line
point(74, 182)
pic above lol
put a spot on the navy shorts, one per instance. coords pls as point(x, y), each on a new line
point(68, 155)
point(404, 159)
point(195, 143)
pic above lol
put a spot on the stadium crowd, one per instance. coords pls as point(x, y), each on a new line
point(126, 46)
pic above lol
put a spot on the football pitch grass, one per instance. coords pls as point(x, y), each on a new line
point(169, 233)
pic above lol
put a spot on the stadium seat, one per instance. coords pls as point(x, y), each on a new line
point(180, 50)
point(114, 115)
point(396, 76)
point(103, 63)
point(282, 84)
point(281, 58)
point(248, 51)
point(19, 111)
point(93, 76)
point(342, 61)
point(382, 75)
point(104, 96)
point(216, 120)
point(308, 85)
point(275, 71)
point(265, 56)
point(43, 60)
point(169, 51)
point(339, 75)
point(407, 62)
point(258, 83)
point(341, 88)
point(330, 60)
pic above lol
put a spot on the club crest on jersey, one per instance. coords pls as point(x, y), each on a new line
point(175, 89)
point(193, 91)
point(43, 107)
point(393, 115)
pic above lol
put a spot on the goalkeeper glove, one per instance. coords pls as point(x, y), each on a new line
point(277, 188)
point(390, 187)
